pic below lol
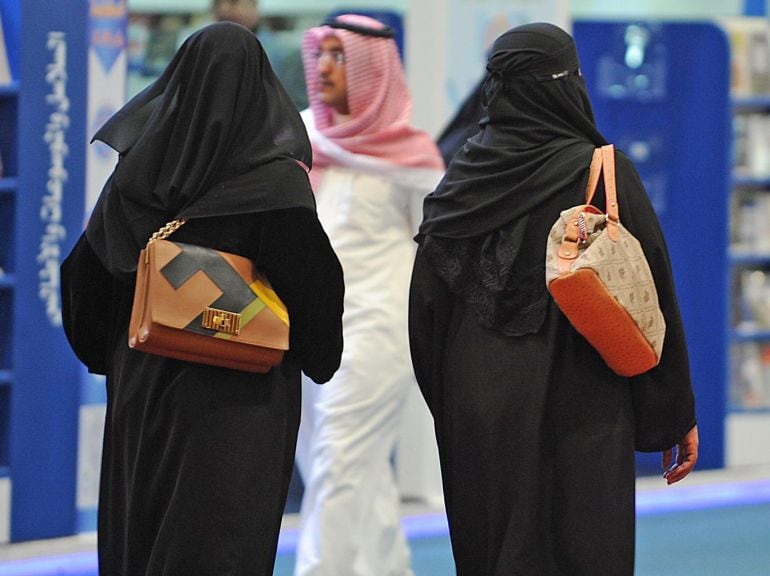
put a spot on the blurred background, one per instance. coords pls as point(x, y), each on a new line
point(682, 86)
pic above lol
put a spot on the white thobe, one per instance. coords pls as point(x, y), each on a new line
point(350, 515)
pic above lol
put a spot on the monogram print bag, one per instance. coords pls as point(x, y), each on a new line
point(599, 277)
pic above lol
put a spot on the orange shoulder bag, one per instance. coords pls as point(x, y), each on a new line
point(599, 277)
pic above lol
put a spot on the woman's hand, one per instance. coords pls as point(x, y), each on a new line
point(686, 456)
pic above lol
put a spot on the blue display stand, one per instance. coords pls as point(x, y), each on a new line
point(61, 55)
point(661, 94)
point(46, 147)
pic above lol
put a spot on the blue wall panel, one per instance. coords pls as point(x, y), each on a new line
point(661, 93)
point(49, 212)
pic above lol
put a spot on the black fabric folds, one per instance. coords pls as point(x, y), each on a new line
point(91, 305)
point(194, 149)
point(535, 141)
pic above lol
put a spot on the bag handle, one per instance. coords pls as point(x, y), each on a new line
point(593, 176)
point(603, 161)
point(610, 191)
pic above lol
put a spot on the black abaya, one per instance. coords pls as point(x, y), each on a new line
point(536, 434)
point(536, 452)
point(197, 459)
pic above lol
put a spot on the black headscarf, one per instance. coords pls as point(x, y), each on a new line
point(536, 138)
point(215, 135)
point(537, 135)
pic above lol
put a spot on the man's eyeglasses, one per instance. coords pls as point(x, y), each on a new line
point(335, 58)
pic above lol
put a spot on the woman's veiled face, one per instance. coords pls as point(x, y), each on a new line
point(332, 80)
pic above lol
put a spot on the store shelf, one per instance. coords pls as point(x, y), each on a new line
point(9, 90)
point(751, 181)
point(741, 257)
point(8, 185)
point(750, 334)
point(748, 256)
point(746, 103)
point(750, 409)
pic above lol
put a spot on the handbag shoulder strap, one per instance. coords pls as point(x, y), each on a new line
point(593, 174)
point(163, 232)
point(613, 213)
point(167, 230)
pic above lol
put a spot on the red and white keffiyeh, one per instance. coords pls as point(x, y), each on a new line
point(379, 102)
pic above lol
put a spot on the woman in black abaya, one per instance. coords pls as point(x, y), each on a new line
point(536, 434)
point(197, 459)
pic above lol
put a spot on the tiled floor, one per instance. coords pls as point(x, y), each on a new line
point(701, 489)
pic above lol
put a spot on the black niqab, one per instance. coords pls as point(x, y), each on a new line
point(536, 138)
point(215, 135)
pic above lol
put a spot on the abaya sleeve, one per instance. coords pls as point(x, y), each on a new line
point(90, 300)
point(298, 258)
point(664, 404)
point(430, 303)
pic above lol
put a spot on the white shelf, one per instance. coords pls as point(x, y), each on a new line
point(745, 432)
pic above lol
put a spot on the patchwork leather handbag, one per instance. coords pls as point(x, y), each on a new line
point(599, 277)
point(205, 306)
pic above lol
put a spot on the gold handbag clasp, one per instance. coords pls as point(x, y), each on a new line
point(221, 321)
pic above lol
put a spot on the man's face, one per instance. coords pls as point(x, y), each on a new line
point(243, 12)
point(332, 87)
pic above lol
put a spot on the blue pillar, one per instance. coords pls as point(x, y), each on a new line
point(51, 39)
point(652, 87)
